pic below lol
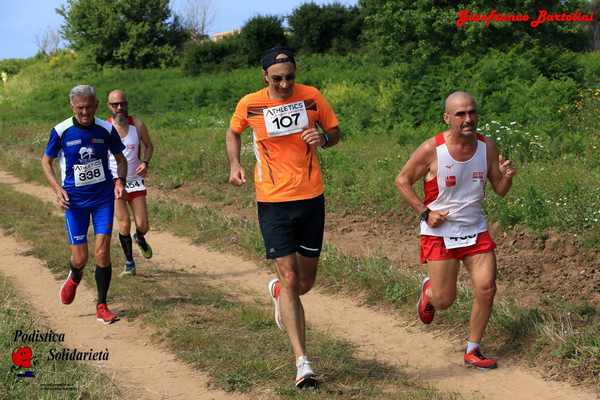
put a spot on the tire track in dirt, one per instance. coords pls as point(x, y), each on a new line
point(424, 356)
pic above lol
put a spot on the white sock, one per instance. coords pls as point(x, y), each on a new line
point(471, 346)
point(300, 360)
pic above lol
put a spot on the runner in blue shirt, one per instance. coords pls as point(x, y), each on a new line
point(82, 143)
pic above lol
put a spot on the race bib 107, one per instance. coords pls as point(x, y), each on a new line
point(286, 119)
point(88, 174)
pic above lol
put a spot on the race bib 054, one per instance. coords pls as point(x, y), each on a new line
point(135, 185)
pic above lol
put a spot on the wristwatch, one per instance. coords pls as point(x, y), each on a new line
point(424, 215)
point(326, 138)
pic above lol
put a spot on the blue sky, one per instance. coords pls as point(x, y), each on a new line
point(22, 20)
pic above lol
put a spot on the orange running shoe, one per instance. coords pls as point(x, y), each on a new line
point(478, 360)
point(425, 309)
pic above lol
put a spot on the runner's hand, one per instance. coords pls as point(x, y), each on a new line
point(62, 199)
point(312, 137)
point(507, 168)
point(142, 169)
point(237, 177)
point(436, 218)
point(119, 189)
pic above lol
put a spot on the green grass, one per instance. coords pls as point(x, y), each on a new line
point(528, 333)
point(554, 189)
point(81, 379)
point(235, 343)
point(188, 116)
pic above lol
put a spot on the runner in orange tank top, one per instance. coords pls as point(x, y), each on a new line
point(290, 124)
point(455, 165)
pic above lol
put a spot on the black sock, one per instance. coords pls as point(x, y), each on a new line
point(126, 244)
point(103, 276)
point(140, 236)
point(76, 273)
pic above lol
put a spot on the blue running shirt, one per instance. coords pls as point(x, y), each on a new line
point(83, 153)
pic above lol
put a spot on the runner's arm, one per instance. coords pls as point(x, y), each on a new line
point(500, 171)
point(121, 174)
point(415, 168)
point(62, 198)
point(233, 142)
point(142, 169)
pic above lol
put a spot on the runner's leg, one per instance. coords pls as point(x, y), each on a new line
point(140, 214)
point(124, 222)
point(482, 268)
point(292, 312)
point(443, 274)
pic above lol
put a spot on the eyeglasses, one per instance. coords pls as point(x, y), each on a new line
point(115, 105)
point(279, 78)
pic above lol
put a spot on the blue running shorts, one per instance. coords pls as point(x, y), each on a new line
point(77, 221)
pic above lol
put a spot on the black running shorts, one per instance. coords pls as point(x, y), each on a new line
point(292, 226)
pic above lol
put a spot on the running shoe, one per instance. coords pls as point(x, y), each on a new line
point(144, 246)
point(104, 315)
point(68, 290)
point(425, 309)
point(273, 287)
point(305, 376)
point(478, 360)
point(129, 269)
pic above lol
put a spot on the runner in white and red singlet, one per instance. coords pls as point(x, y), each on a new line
point(455, 165)
point(138, 146)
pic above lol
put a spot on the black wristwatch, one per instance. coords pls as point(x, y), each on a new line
point(424, 215)
point(326, 138)
point(147, 163)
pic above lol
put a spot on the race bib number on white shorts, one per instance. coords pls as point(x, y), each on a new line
point(456, 242)
point(135, 185)
point(88, 174)
point(285, 119)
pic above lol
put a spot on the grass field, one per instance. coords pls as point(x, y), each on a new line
point(556, 189)
point(198, 321)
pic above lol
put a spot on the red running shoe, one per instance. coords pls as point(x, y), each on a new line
point(478, 360)
point(104, 315)
point(68, 290)
point(274, 287)
point(425, 309)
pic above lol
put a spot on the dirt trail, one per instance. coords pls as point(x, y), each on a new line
point(141, 369)
point(384, 337)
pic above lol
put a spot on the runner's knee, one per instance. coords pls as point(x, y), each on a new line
point(305, 285)
point(102, 255)
point(124, 227)
point(124, 224)
point(79, 261)
point(485, 293)
point(443, 300)
point(290, 281)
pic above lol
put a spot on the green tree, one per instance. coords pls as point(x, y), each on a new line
point(261, 33)
point(400, 29)
point(128, 33)
point(321, 28)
